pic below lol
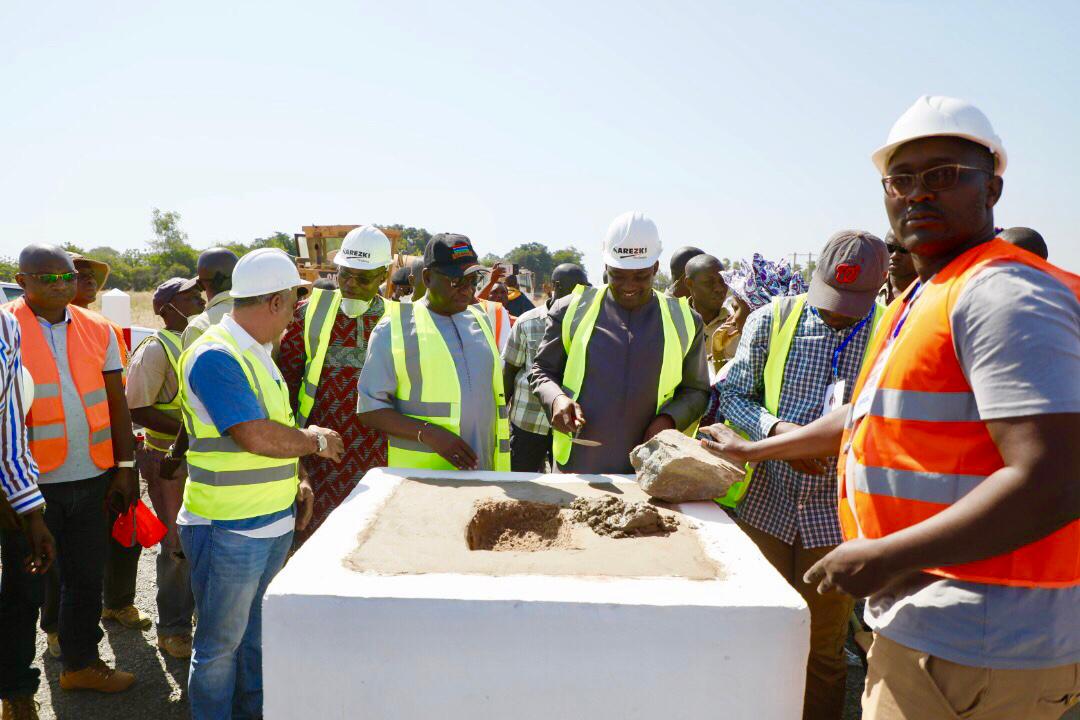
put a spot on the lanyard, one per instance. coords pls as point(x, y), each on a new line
point(840, 349)
point(907, 308)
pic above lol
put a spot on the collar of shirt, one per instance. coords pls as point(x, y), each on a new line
point(242, 337)
point(46, 323)
point(217, 300)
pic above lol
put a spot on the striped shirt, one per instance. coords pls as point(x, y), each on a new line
point(781, 501)
point(525, 410)
point(18, 471)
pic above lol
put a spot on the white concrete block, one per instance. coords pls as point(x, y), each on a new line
point(345, 644)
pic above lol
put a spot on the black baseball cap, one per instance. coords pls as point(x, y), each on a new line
point(452, 255)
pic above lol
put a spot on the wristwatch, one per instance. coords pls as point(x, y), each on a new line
point(320, 442)
point(125, 464)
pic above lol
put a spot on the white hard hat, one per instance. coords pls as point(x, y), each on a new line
point(632, 242)
point(264, 271)
point(936, 116)
point(364, 248)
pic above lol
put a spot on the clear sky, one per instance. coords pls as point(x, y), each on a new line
point(737, 126)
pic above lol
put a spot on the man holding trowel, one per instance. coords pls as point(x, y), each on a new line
point(620, 362)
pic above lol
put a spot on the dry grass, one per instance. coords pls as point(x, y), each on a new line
point(142, 309)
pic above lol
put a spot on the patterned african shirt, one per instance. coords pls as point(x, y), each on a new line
point(335, 406)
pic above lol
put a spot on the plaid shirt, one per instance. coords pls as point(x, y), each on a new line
point(780, 501)
point(525, 409)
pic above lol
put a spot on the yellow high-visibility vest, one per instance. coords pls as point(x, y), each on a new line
point(577, 328)
point(225, 482)
point(428, 389)
point(170, 342)
point(320, 314)
point(786, 311)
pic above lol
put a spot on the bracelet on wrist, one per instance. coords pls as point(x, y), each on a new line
point(420, 433)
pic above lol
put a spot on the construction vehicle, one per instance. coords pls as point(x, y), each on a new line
point(318, 244)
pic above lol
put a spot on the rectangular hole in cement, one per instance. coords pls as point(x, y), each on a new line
point(518, 525)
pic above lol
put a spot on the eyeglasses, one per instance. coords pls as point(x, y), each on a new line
point(50, 278)
point(895, 248)
point(935, 179)
point(472, 280)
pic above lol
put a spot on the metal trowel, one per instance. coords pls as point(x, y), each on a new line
point(583, 442)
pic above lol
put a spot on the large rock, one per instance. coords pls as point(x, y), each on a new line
point(675, 468)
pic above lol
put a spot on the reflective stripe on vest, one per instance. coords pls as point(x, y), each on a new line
point(170, 343)
point(225, 482)
point(923, 445)
point(428, 389)
point(320, 314)
point(88, 336)
point(577, 328)
point(786, 314)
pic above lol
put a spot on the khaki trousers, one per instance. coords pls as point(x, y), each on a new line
point(826, 669)
point(905, 684)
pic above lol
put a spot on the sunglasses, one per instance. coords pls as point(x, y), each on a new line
point(935, 179)
point(50, 278)
point(472, 280)
point(894, 248)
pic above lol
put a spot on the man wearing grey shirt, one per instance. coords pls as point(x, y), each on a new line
point(618, 345)
point(434, 438)
point(80, 436)
point(959, 496)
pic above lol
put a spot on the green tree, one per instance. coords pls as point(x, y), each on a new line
point(413, 240)
point(536, 257)
point(8, 268)
point(661, 281)
point(169, 248)
point(280, 240)
point(568, 255)
point(490, 259)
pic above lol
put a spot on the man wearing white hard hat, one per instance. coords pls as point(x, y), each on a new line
point(620, 362)
point(959, 459)
point(244, 497)
point(321, 356)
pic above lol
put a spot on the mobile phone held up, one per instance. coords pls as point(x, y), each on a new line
point(510, 268)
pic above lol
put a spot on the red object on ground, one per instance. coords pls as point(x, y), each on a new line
point(138, 524)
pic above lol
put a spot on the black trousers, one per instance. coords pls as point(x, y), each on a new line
point(20, 598)
point(76, 516)
point(528, 450)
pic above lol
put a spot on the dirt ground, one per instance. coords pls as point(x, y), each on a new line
point(160, 682)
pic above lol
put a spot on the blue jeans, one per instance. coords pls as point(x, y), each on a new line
point(229, 576)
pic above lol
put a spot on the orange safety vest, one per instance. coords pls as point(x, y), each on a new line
point(500, 320)
point(121, 343)
point(87, 344)
point(923, 445)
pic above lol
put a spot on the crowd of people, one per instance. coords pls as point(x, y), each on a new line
point(908, 419)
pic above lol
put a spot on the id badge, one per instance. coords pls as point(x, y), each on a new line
point(834, 396)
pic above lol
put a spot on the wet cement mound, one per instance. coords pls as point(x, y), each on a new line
point(516, 525)
point(615, 518)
